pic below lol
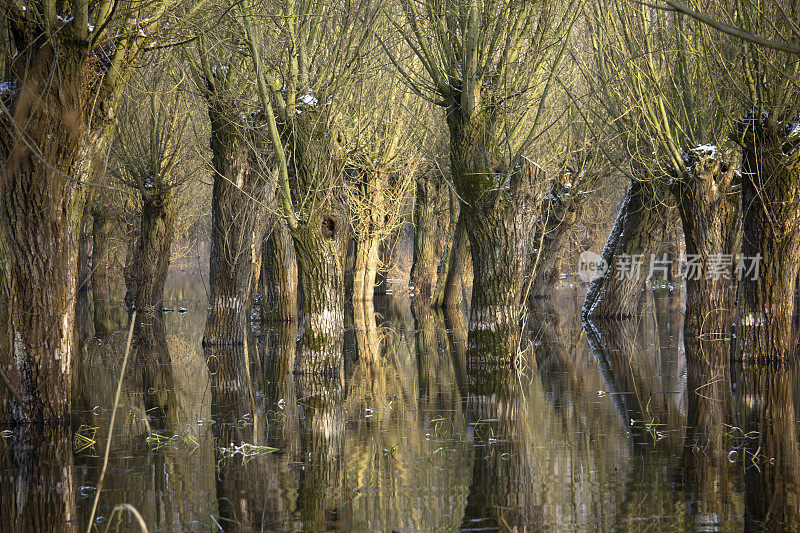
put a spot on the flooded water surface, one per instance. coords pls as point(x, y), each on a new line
point(599, 427)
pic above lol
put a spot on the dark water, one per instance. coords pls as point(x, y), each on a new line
point(608, 429)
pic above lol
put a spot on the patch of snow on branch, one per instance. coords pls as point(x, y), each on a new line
point(709, 150)
point(309, 100)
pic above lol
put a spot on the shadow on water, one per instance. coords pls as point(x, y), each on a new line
point(619, 425)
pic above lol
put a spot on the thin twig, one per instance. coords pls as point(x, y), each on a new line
point(131, 509)
point(111, 430)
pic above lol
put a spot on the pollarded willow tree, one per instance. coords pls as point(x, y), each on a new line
point(304, 54)
point(572, 196)
point(383, 158)
point(490, 65)
point(150, 157)
point(431, 212)
point(663, 95)
point(244, 178)
point(69, 62)
point(762, 37)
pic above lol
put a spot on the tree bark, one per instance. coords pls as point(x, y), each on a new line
point(771, 231)
point(279, 275)
point(443, 270)
point(151, 254)
point(39, 224)
point(559, 212)
point(460, 264)
point(709, 210)
point(644, 218)
point(321, 237)
point(59, 109)
point(240, 196)
point(369, 231)
point(85, 322)
point(321, 276)
point(424, 270)
point(499, 207)
point(102, 230)
point(366, 268)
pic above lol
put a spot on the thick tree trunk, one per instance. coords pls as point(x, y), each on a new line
point(39, 224)
point(132, 234)
point(369, 231)
point(150, 263)
point(709, 210)
point(770, 239)
point(498, 257)
point(559, 213)
point(279, 275)
point(102, 229)
point(59, 110)
point(240, 195)
point(319, 255)
point(644, 218)
point(499, 207)
point(320, 238)
point(424, 271)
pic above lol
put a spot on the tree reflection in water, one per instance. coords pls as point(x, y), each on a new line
point(771, 458)
point(396, 425)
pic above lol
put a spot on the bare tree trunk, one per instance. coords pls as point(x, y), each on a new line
point(443, 271)
point(132, 236)
point(366, 268)
point(559, 213)
point(369, 233)
point(498, 209)
point(644, 218)
point(241, 193)
point(771, 234)
point(498, 259)
point(148, 270)
point(460, 263)
point(39, 224)
point(709, 211)
point(321, 238)
point(424, 271)
point(279, 275)
point(102, 229)
point(318, 245)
